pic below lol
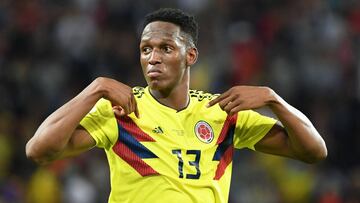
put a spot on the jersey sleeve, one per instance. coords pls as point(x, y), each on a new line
point(251, 127)
point(101, 124)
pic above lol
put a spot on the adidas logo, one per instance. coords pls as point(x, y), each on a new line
point(158, 130)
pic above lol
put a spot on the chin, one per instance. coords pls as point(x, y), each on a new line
point(155, 85)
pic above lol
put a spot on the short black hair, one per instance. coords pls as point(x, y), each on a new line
point(185, 21)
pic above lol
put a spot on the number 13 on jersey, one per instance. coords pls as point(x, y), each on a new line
point(194, 163)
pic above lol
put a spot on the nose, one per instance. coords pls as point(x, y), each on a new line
point(155, 57)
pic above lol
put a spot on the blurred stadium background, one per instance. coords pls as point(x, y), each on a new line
point(308, 51)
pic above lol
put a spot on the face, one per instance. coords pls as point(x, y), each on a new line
point(164, 56)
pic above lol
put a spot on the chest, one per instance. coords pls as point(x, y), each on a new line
point(185, 145)
point(183, 130)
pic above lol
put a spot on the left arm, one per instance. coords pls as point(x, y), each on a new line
point(297, 139)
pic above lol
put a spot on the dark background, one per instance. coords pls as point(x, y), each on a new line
point(307, 51)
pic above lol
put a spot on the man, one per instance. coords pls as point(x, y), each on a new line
point(164, 142)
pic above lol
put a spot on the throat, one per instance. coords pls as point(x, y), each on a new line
point(177, 101)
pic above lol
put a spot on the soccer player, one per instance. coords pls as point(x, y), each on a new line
point(165, 142)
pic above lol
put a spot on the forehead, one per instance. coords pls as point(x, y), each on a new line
point(160, 29)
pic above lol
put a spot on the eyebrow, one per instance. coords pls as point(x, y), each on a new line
point(163, 40)
point(183, 37)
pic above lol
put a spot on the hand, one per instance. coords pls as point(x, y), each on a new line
point(120, 95)
point(243, 98)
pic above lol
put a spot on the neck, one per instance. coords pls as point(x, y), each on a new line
point(176, 97)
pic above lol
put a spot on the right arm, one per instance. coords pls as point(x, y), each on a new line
point(60, 134)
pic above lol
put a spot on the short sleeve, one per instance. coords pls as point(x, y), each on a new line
point(101, 124)
point(251, 127)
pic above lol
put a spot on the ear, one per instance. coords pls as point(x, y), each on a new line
point(191, 56)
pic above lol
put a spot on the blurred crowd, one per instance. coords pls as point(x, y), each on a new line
point(308, 51)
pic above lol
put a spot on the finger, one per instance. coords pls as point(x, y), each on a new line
point(123, 112)
point(214, 101)
point(230, 105)
point(235, 110)
point(134, 107)
point(117, 110)
point(125, 109)
point(226, 101)
point(218, 99)
point(132, 103)
point(137, 114)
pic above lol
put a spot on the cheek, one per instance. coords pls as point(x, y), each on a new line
point(179, 60)
point(177, 65)
point(143, 62)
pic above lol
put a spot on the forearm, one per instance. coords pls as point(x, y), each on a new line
point(54, 133)
point(303, 138)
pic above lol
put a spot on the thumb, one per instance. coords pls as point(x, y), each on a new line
point(118, 111)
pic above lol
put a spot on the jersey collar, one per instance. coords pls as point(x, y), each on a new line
point(164, 107)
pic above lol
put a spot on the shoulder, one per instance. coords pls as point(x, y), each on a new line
point(102, 107)
point(201, 95)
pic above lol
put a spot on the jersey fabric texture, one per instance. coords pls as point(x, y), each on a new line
point(172, 156)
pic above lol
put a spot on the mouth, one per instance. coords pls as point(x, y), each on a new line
point(153, 72)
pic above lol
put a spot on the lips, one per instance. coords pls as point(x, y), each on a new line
point(153, 72)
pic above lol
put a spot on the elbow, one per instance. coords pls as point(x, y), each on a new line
point(316, 156)
point(29, 151)
point(33, 155)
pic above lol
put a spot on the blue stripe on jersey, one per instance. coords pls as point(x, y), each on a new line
point(135, 146)
point(224, 144)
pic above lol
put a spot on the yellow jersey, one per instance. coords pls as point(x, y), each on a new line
point(172, 156)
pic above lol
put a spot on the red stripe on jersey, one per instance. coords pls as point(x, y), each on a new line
point(225, 149)
point(130, 126)
point(131, 150)
point(230, 120)
point(133, 160)
point(225, 160)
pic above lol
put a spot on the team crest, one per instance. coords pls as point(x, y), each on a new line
point(204, 132)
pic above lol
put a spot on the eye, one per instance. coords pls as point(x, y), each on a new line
point(167, 49)
point(146, 50)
